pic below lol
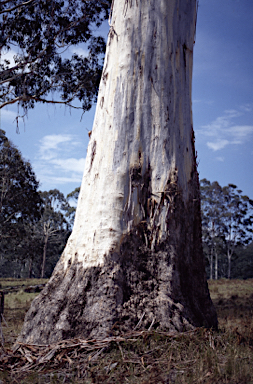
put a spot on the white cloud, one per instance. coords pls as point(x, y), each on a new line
point(246, 108)
point(50, 144)
point(223, 131)
point(199, 101)
point(8, 116)
point(241, 132)
point(55, 163)
point(219, 144)
point(230, 113)
point(79, 51)
point(219, 158)
point(9, 55)
point(71, 164)
point(46, 179)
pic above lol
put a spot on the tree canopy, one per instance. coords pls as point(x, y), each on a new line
point(40, 32)
point(19, 197)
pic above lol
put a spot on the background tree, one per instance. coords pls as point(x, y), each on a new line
point(226, 222)
point(212, 207)
point(53, 227)
point(237, 221)
point(45, 239)
point(34, 226)
point(30, 251)
point(72, 198)
point(242, 266)
point(135, 253)
point(40, 32)
point(20, 202)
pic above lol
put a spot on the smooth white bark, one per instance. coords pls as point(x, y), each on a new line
point(143, 120)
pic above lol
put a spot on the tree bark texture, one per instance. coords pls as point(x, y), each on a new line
point(135, 250)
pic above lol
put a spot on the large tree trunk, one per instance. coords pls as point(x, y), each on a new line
point(135, 251)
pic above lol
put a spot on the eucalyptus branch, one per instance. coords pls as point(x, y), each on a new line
point(39, 67)
point(16, 6)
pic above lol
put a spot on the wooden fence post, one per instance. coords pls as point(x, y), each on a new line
point(1, 304)
point(1, 317)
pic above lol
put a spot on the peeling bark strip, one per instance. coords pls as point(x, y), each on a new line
point(135, 255)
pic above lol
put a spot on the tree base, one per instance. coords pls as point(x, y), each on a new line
point(135, 288)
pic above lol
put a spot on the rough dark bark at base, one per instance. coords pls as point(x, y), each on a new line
point(165, 287)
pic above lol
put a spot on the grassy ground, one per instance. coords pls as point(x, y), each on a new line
point(196, 357)
point(16, 304)
point(10, 282)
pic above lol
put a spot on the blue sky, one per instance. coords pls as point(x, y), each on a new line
point(55, 140)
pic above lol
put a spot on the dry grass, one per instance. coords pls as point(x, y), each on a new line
point(233, 300)
point(16, 306)
point(17, 302)
point(201, 356)
point(11, 282)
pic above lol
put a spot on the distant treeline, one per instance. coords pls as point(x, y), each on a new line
point(35, 225)
point(227, 218)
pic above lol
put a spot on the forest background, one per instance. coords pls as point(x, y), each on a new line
point(35, 225)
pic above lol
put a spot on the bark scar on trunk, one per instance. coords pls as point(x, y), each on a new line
point(93, 153)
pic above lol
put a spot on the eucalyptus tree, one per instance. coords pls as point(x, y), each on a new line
point(227, 221)
point(45, 239)
point(72, 199)
point(135, 258)
point(242, 266)
point(38, 34)
point(212, 206)
point(19, 197)
point(237, 218)
point(20, 202)
point(53, 226)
